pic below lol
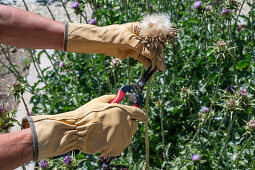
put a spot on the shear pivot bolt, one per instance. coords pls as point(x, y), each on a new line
point(140, 84)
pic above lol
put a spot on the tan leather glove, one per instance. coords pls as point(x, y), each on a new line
point(94, 127)
point(115, 40)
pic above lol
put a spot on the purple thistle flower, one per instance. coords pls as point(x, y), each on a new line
point(243, 92)
point(197, 4)
point(68, 159)
point(75, 5)
point(251, 124)
point(195, 157)
point(150, 5)
point(225, 11)
point(231, 102)
point(61, 63)
point(99, 5)
point(104, 165)
point(115, 62)
point(208, 8)
point(230, 89)
point(1, 110)
point(43, 163)
point(206, 109)
point(92, 21)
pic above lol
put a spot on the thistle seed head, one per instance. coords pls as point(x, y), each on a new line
point(156, 29)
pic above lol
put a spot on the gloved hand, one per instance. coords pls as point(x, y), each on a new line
point(115, 40)
point(94, 127)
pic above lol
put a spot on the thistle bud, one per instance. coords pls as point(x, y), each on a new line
point(243, 92)
point(231, 102)
point(251, 125)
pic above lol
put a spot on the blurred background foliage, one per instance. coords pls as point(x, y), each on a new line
point(202, 104)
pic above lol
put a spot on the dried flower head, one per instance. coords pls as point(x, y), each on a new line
point(156, 29)
point(156, 26)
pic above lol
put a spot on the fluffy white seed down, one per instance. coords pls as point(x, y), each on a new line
point(156, 25)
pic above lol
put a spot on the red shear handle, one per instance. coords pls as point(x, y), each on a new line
point(118, 97)
point(136, 105)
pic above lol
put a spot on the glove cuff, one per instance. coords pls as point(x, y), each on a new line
point(65, 36)
point(26, 123)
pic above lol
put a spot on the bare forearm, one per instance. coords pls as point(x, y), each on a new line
point(16, 149)
point(28, 30)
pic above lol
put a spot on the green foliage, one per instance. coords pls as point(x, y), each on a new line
point(198, 71)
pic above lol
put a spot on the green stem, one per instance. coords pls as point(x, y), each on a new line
point(38, 73)
point(24, 2)
point(230, 125)
point(95, 7)
point(107, 77)
point(25, 105)
point(148, 6)
point(7, 56)
point(64, 6)
point(54, 67)
point(76, 82)
point(162, 115)
point(207, 114)
point(23, 167)
point(146, 125)
point(46, 4)
point(240, 153)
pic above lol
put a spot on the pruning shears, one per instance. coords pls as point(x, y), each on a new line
point(129, 90)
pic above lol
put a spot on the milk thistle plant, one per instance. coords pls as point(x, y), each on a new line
point(201, 106)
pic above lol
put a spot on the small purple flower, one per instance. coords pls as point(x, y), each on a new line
point(208, 8)
point(115, 62)
point(251, 124)
point(231, 102)
point(61, 63)
point(92, 21)
point(225, 11)
point(104, 165)
point(243, 92)
point(197, 4)
point(68, 159)
point(150, 5)
point(206, 109)
point(1, 110)
point(75, 5)
point(230, 89)
point(43, 163)
point(99, 5)
point(195, 157)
